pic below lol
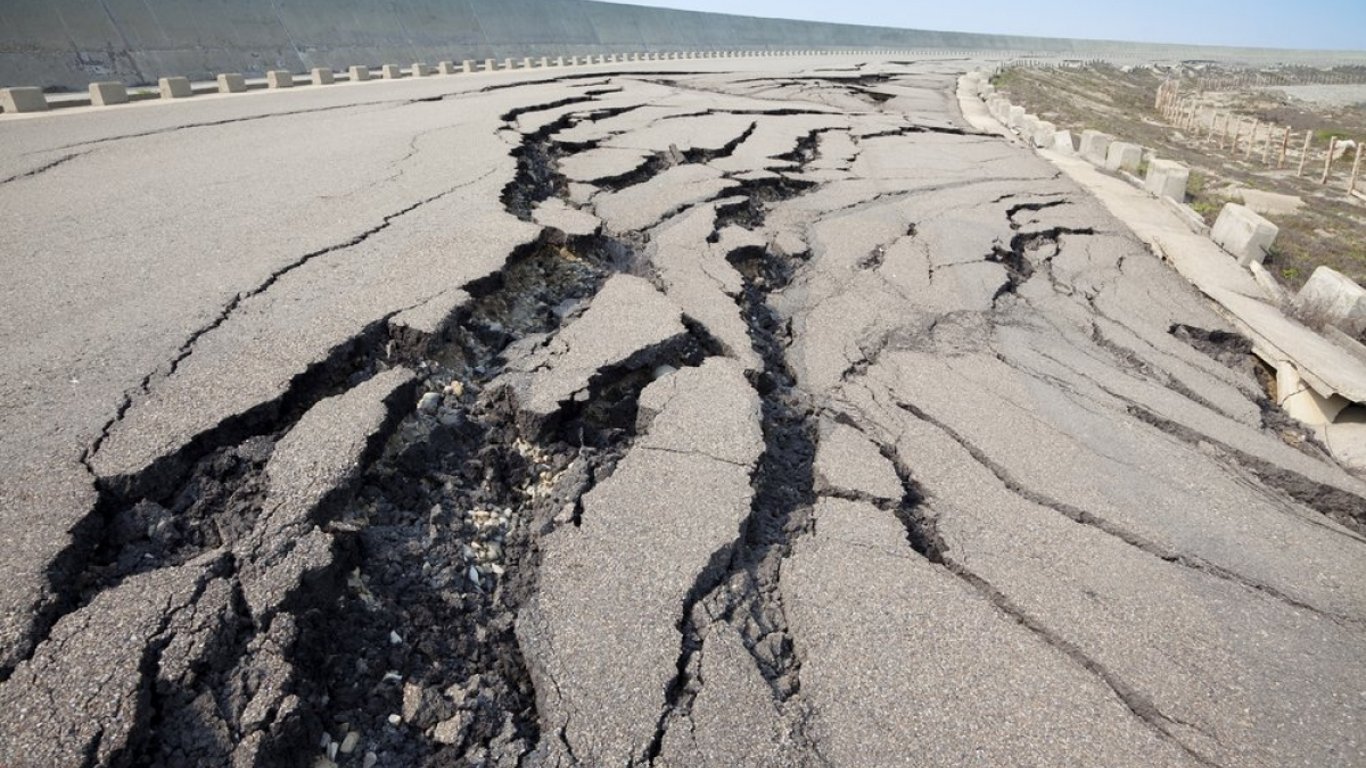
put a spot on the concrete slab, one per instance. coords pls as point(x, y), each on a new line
point(358, 73)
point(321, 76)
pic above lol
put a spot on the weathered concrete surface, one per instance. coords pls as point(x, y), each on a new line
point(763, 420)
point(69, 42)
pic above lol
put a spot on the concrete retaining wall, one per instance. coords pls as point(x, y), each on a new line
point(69, 43)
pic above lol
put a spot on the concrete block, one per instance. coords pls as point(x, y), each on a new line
point(1167, 178)
point(1028, 125)
point(23, 100)
point(1063, 143)
point(390, 72)
point(467, 66)
point(1123, 156)
point(490, 65)
point(321, 76)
point(1043, 134)
point(1301, 402)
point(446, 67)
point(106, 94)
point(422, 70)
point(175, 88)
point(509, 64)
point(559, 61)
point(359, 74)
point(1335, 299)
point(526, 63)
point(1095, 146)
point(545, 61)
point(232, 82)
point(279, 78)
point(1015, 117)
point(1243, 233)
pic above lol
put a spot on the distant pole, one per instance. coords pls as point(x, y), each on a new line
point(1304, 153)
point(1356, 171)
point(1285, 145)
point(1252, 138)
point(1328, 161)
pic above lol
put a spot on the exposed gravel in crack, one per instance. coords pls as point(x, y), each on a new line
point(742, 589)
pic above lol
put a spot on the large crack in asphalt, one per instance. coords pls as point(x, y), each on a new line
point(923, 537)
point(740, 587)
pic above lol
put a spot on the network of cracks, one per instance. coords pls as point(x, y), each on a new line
point(396, 642)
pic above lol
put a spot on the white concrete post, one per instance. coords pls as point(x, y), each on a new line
point(107, 94)
point(1328, 161)
point(1356, 171)
point(174, 87)
point(358, 74)
point(279, 78)
point(25, 99)
point(231, 82)
point(322, 76)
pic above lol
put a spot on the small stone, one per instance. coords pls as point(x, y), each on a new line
point(395, 719)
point(394, 638)
point(662, 371)
point(473, 575)
point(323, 762)
point(452, 731)
point(349, 743)
point(370, 759)
point(456, 388)
point(392, 677)
point(429, 403)
point(332, 751)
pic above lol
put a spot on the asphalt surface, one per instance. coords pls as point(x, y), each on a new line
point(751, 412)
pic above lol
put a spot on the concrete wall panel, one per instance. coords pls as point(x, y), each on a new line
point(66, 44)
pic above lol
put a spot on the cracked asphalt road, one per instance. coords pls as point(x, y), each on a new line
point(736, 413)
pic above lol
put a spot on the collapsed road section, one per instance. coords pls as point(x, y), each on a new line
point(665, 419)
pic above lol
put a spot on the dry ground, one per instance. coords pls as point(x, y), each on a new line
point(1331, 227)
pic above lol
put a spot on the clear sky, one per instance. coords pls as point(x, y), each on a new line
point(1330, 24)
